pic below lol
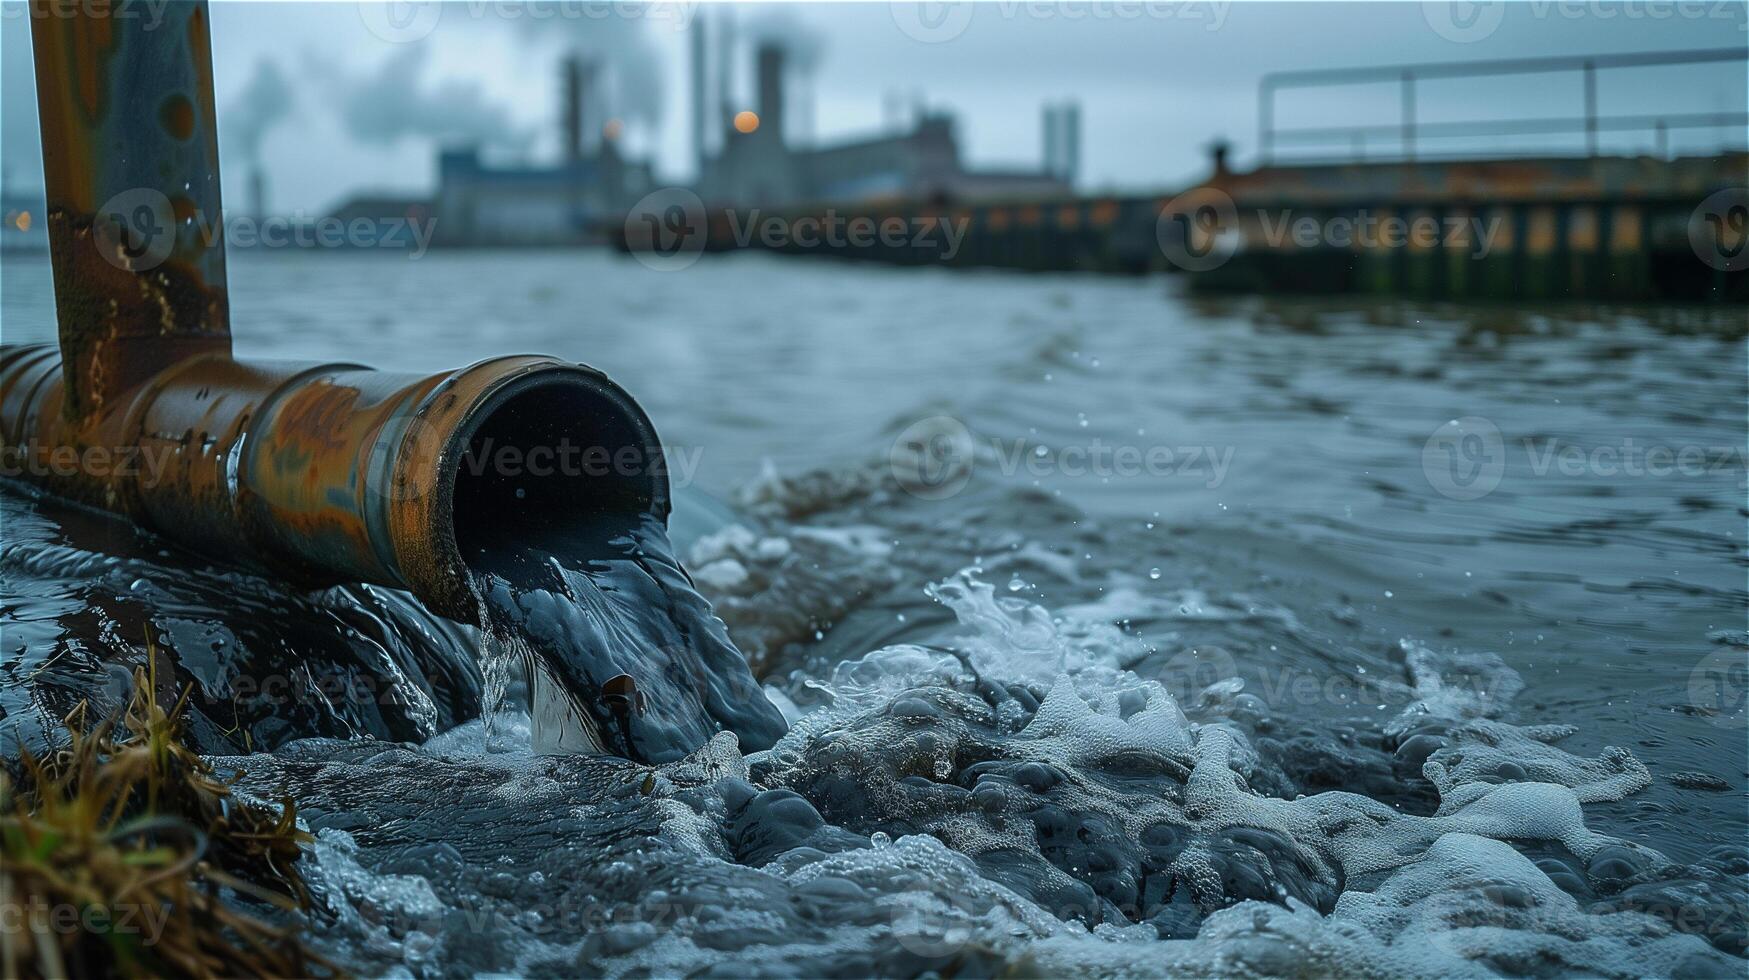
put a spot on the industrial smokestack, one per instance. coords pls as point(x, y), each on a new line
point(571, 107)
point(1062, 140)
point(1051, 140)
point(699, 123)
point(726, 67)
point(1070, 134)
point(257, 191)
point(771, 89)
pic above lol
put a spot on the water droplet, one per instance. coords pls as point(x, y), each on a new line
point(1015, 584)
point(1154, 573)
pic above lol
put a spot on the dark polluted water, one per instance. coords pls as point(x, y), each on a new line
point(1295, 708)
point(1029, 790)
point(620, 654)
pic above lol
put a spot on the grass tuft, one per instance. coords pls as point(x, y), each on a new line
point(122, 855)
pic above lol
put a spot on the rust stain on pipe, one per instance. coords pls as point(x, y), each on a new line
point(319, 473)
point(130, 164)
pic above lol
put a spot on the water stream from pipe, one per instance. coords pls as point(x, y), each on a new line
point(623, 655)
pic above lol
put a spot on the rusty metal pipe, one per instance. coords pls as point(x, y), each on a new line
point(330, 473)
point(320, 473)
point(131, 177)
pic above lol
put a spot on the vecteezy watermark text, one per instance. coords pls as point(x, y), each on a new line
point(147, 464)
point(1201, 229)
point(406, 21)
point(37, 915)
point(1469, 21)
point(1466, 459)
point(833, 230)
point(933, 458)
point(144, 463)
point(138, 230)
point(564, 458)
point(150, 13)
point(937, 22)
point(667, 230)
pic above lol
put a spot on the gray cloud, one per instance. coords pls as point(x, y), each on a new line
point(396, 102)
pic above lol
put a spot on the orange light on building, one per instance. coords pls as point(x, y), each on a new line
point(22, 222)
point(611, 129)
point(746, 121)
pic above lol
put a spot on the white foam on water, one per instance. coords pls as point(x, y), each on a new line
point(1454, 899)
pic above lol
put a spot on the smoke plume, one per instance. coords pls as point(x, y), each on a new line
point(264, 103)
point(615, 37)
point(396, 102)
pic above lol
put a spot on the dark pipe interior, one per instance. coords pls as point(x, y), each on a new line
point(562, 458)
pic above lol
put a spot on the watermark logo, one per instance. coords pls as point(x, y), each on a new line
point(1465, 458)
point(932, 459)
point(1199, 229)
point(666, 229)
point(1193, 671)
point(135, 230)
point(930, 234)
point(1463, 21)
point(938, 22)
point(406, 21)
point(1466, 22)
point(1719, 687)
point(930, 924)
point(400, 21)
point(932, 21)
point(1718, 230)
point(138, 230)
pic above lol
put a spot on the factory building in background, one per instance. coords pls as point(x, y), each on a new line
point(743, 160)
point(757, 166)
point(478, 203)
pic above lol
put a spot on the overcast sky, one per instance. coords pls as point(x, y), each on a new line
point(341, 98)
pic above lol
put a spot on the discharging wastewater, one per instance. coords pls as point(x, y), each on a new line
point(619, 653)
point(1048, 624)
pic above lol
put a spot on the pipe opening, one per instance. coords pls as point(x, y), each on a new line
point(555, 456)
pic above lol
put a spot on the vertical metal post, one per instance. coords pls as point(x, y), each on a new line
point(1266, 120)
point(1409, 115)
point(1590, 108)
point(697, 42)
point(131, 174)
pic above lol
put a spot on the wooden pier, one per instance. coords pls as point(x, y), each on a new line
point(1386, 216)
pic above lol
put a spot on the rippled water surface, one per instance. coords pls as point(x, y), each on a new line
point(1119, 631)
